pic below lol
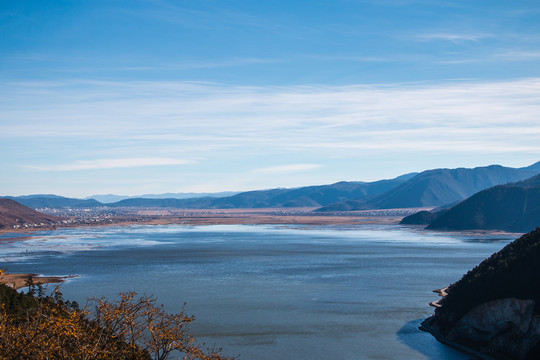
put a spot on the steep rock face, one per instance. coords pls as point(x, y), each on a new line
point(504, 326)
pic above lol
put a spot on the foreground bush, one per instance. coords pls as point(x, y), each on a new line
point(38, 326)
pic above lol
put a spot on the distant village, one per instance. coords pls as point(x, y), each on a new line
point(73, 217)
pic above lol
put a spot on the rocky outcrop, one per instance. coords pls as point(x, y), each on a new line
point(499, 327)
point(495, 307)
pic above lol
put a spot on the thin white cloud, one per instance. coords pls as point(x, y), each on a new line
point(200, 64)
point(519, 55)
point(207, 120)
point(452, 37)
point(98, 164)
point(291, 168)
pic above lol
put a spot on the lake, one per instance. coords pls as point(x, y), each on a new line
point(270, 292)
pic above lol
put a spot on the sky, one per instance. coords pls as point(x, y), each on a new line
point(155, 96)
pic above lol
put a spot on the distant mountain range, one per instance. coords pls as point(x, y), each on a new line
point(54, 202)
point(431, 188)
point(439, 187)
point(309, 196)
point(111, 198)
point(13, 213)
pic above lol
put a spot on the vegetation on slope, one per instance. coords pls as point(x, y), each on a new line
point(13, 213)
point(512, 207)
point(513, 272)
point(39, 326)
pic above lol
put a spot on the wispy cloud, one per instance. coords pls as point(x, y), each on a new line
point(211, 16)
point(98, 164)
point(199, 64)
point(452, 37)
point(205, 120)
point(241, 137)
point(519, 55)
point(282, 169)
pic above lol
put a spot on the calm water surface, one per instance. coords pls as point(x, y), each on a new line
point(269, 292)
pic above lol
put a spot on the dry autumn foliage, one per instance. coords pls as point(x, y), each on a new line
point(132, 327)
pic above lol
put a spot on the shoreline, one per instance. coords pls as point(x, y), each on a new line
point(197, 217)
point(226, 217)
point(426, 327)
point(264, 216)
point(19, 281)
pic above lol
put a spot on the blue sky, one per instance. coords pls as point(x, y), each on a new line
point(135, 97)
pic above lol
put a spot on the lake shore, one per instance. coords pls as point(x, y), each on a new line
point(262, 216)
point(19, 281)
point(299, 216)
point(202, 217)
point(427, 327)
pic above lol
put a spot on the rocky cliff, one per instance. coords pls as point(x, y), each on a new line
point(507, 327)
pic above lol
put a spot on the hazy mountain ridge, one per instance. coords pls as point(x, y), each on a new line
point(439, 187)
point(53, 202)
point(112, 198)
point(308, 196)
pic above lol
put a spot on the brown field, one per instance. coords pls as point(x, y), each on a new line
point(303, 216)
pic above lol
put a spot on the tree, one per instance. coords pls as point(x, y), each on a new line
point(141, 323)
point(133, 327)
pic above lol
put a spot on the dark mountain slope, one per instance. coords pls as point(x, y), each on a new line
point(495, 307)
point(512, 207)
point(442, 186)
point(420, 218)
point(13, 213)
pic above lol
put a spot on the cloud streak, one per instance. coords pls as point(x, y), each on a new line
point(183, 120)
point(452, 37)
point(284, 169)
point(99, 164)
